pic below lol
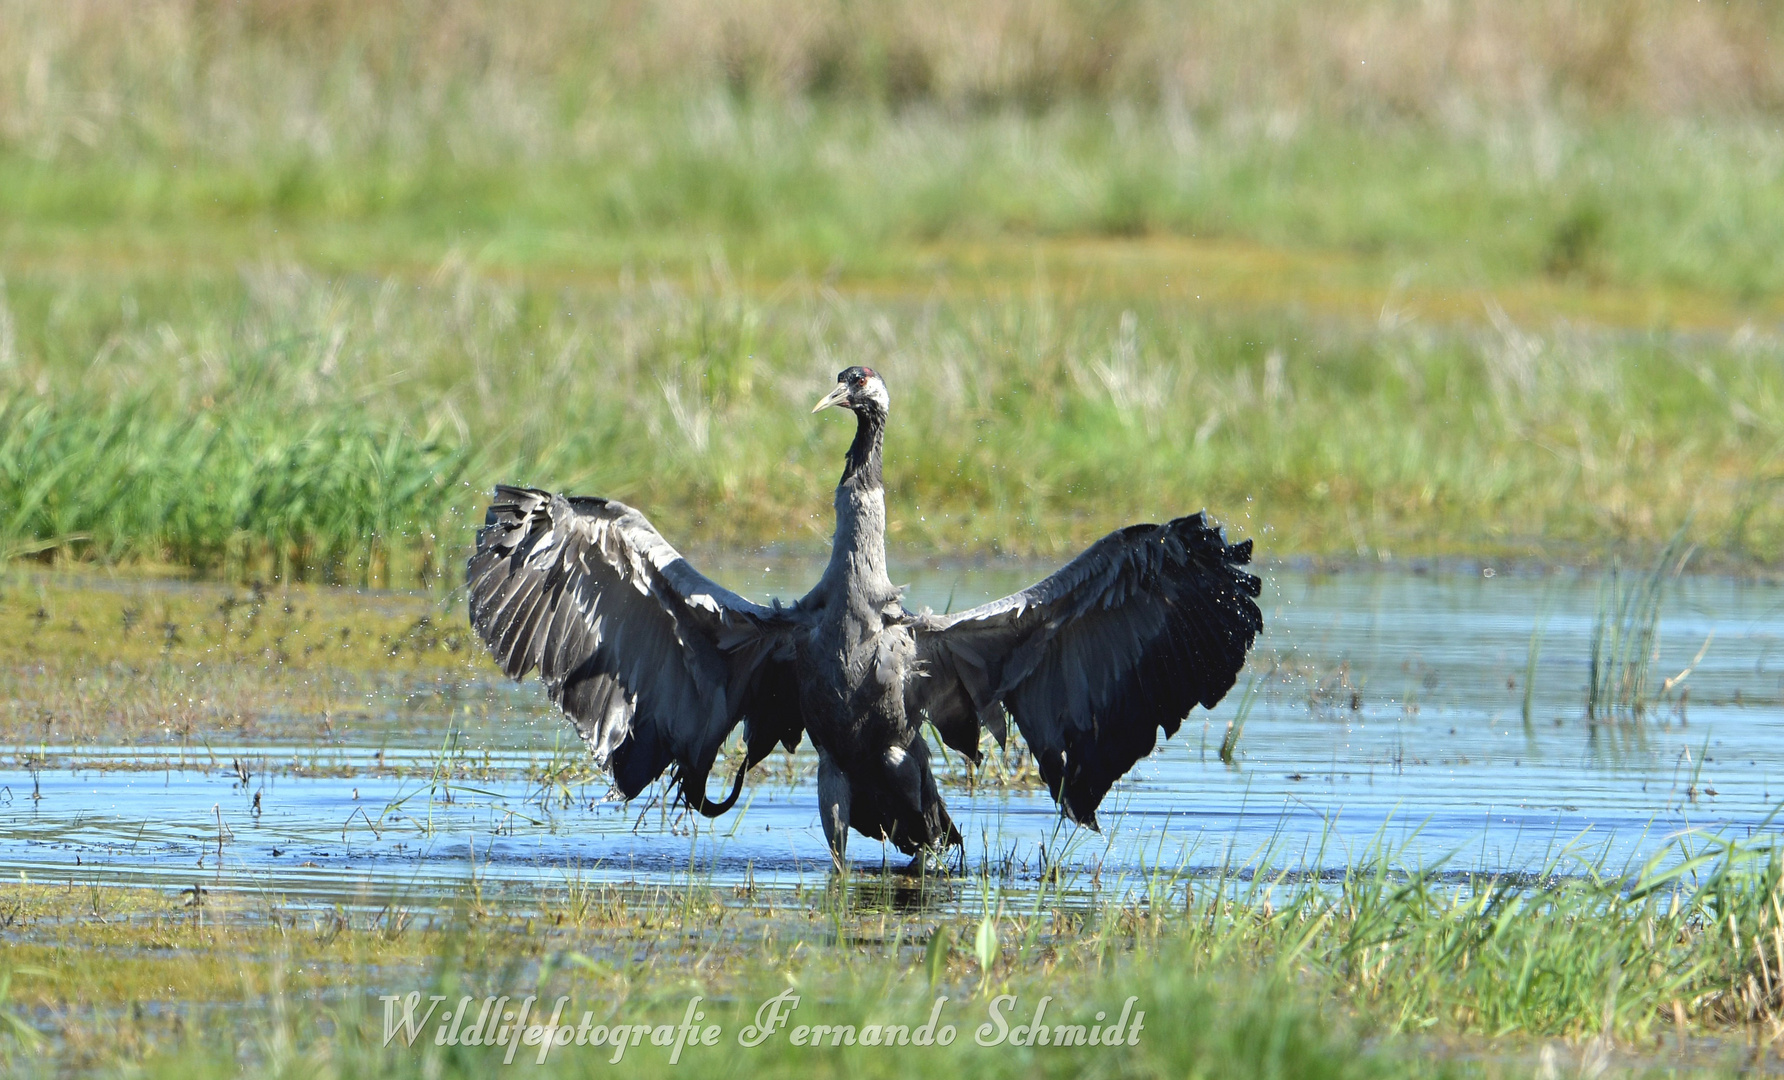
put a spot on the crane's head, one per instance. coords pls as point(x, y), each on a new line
point(860, 389)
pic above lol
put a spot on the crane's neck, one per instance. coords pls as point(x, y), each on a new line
point(862, 467)
point(858, 554)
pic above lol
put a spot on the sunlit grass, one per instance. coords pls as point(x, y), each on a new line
point(285, 288)
point(299, 331)
point(288, 424)
point(1639, 964)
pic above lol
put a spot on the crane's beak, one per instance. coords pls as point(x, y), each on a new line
point(838, 396)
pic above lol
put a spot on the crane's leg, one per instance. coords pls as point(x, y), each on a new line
point(833, 805)
point(924, 819)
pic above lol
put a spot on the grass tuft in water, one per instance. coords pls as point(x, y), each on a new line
point(1229, 740)
point(1625, 636)
point(1537, 629)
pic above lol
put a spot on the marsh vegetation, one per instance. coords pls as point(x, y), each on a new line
point(285, 287)
point(235, 807)
point(1455, 304)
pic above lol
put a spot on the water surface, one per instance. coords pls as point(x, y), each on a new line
point(1388, 717)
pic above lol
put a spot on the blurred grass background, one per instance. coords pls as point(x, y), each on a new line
point(288, 284)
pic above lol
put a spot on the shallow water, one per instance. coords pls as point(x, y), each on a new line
point(1389, 719)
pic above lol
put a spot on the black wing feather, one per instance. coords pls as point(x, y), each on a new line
point(1147, 623)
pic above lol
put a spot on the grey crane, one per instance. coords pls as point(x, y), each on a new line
point(656, 664)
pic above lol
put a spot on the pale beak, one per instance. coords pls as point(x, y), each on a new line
point(838, 396)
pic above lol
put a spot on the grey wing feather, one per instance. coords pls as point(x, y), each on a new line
point(653, 661)
point(1147, 623)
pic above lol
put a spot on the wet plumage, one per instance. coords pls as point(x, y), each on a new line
point(657, 664)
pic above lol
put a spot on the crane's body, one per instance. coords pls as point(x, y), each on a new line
point(656, 664)
point(854, 664)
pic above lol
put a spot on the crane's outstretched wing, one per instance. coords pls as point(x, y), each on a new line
point(1124, 639)
point(653, 661)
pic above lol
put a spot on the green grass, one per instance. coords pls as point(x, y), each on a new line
point(283, 421)
point(862, 192)
point(327, 492)
point(329, 276)
point(1385, 973)
point(1389, 970)
point(285, 288)
point(1634, 148)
